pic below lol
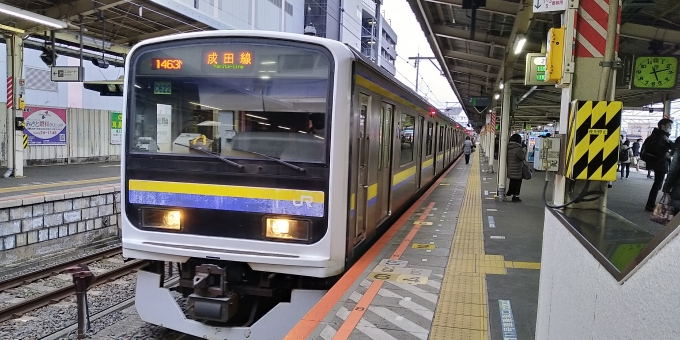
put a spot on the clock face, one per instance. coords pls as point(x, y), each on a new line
point(655, 72)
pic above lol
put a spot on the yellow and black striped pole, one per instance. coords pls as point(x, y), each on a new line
point(25, 141)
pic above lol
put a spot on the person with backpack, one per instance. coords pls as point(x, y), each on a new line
point(656, 151)
point(636, 154)
point(467, 149)
point(625, 156)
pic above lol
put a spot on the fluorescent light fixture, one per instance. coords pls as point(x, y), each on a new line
point(283, 127)
point(261, 123)
point(550, 125)
point(268, 62)
point(30, 16)
point(318, 137)
point(265, 77)
point(302, 132)
point(254, 116)
point(501, 85)
point(520, 40)
point(137, 86)
point(212, 107)
point(497, 96)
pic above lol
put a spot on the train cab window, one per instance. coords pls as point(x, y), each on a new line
point(408, 123)
point(270, 102)
point(428, 142)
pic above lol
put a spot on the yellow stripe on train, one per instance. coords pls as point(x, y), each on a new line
point(224, 190)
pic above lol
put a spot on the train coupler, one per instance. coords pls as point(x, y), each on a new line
point(213, 309)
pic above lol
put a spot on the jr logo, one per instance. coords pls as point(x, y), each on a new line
point(304, 200)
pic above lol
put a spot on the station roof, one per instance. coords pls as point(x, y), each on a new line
point(119, 23)
point(475, 64)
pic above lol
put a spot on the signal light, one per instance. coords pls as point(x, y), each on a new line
point(432, 112)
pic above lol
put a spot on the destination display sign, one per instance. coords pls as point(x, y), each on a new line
point(227, 60)
point(220, 57)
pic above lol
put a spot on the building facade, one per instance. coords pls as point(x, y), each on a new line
point(357, 23)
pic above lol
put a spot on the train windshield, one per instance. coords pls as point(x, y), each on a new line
point(233, 99)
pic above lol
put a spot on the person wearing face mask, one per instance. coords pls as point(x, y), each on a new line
point(656, 152)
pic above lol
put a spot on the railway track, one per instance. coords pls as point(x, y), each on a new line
point(57, 268)
point(15, 310)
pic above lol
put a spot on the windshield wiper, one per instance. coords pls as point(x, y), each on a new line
point(230, 162)
point(275, 159)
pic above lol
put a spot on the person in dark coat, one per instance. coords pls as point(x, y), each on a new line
point(672, 184)
point(659, 146)
point(515, 162)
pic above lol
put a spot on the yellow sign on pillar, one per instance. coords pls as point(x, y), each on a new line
point(555, 49)
point(594, 136)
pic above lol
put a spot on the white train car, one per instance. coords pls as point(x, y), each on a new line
point(264, 164)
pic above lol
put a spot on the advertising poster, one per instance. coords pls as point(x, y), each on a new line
point(45, 126)
point(116, 128)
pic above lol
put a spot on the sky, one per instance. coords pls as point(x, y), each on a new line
point(410, 42)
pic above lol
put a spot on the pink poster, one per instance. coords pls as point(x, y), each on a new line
point(45, 125)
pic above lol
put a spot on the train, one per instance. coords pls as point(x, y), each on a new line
point(262, 165)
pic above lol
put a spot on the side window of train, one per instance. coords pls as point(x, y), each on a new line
point(428, 145)
point(441, 138)
point(386, 112)
point(408, 122)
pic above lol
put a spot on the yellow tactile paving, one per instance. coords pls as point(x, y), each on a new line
point(462, 311)
point(462, 307)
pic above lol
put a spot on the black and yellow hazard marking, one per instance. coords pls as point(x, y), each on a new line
point(594, 134)
point(25, 141)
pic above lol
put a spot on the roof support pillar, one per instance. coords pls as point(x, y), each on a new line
point(14, 113)
point(505, 134)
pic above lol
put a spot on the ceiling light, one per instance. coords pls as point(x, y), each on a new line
point(497, 96)
point(265, 77)
point(283, 127)
point(254, 116)
point(30, 16)
point(268, 62)
point(501, 85)
point(212, 107)
point(520, 40)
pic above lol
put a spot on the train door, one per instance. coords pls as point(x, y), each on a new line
point(423, 146)
point(362, 189)
point(437, 136)
point(384, 161)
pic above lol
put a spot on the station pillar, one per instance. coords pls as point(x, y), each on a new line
point(15, 106)
point(503, 142)
point(667, 109)
point(593, 36)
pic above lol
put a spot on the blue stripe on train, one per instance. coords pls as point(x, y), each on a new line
point(226, 203)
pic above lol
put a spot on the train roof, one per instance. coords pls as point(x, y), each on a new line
point(372, 65)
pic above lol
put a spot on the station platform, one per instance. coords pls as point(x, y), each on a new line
point(458, 264)
point(43, 179)
point(441, 271)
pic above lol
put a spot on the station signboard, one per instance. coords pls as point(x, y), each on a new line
point(67, 74)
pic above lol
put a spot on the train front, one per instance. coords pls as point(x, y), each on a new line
point(227, 171)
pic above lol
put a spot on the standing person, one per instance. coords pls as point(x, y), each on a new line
point(636, 153)
point(656, 149)
point(515, 162)
point(467, 149)
point(672, 184)
point(625, 156)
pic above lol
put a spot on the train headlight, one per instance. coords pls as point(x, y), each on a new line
point(287, 229)
point(161, 219)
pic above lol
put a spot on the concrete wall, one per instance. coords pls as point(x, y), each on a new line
point(579, 299)
point(35, 225)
